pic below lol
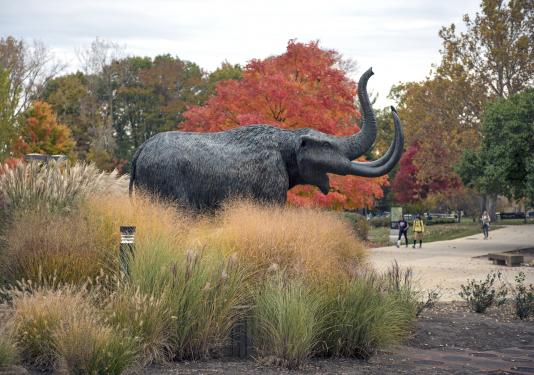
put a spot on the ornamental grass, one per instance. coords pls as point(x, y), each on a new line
point(299, 276)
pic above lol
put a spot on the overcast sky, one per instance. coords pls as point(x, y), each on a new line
point(399, 39)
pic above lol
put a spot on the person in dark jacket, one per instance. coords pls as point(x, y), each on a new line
point(403, 231)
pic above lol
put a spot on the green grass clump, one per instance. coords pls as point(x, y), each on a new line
point(287, 320)
point(200, 291)
point(364, 317)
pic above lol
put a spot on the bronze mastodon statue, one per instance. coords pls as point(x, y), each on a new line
point(262, 162)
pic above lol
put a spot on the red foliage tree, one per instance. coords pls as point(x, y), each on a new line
point(304, 87)
point(408, 188)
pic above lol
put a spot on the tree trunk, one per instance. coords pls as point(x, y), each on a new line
point(491, 206)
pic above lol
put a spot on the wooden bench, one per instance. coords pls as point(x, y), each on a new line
point(505, 259)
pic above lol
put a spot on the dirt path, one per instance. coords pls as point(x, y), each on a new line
point(448, 264)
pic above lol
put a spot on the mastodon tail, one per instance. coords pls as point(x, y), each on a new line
point(133, 166)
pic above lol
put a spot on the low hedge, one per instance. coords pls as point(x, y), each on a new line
point(380, 221)
point(441, 220)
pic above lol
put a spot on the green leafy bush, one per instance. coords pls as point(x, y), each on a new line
point(524, 297)
point(483, 294)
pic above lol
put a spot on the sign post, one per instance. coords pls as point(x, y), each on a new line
point(126, 249)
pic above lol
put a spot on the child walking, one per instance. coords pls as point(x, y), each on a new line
point(418, 229)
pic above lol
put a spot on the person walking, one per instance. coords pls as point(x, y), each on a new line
point(485, 219)
point(418, 230)
point(403, 231)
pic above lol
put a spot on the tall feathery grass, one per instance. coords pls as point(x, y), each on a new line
point(59, 327)
point(86, 346)
point(55, 186)
point(145, 317)
point(64, 245)
point(300, 241)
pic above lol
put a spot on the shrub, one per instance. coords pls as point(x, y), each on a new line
point(428, 301)
point(441, 220)
point(364, 317)
point(360, 226)
point(524, 297)
point(55, 186)
point(482, 294)
point(380, 221)
point(65, 246)
point(287, 321)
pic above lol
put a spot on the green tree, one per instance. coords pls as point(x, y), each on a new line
point(493, 58)
point(497, 49)
point(225, 72)
point(74, 106)
point(504, 164)
point(7, 114)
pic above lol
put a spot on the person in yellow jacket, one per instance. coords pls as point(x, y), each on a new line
point(418, 230)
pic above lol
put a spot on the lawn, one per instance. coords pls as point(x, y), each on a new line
point(439, 232)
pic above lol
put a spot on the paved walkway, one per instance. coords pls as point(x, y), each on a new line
point(448, 264)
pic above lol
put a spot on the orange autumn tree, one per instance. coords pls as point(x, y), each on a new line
point(305, 87)
point(41, 133)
